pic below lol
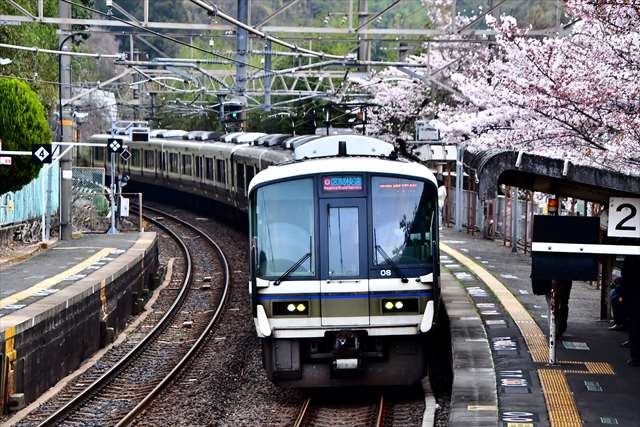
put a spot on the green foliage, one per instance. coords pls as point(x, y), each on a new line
point(22, 124)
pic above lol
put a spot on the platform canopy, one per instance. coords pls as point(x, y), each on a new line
point(553, 176)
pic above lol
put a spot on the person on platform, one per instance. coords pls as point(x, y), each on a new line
point(618, 306)
point(562, 291)
point(631, 282)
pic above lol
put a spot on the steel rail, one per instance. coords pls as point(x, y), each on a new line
point(380, 417)
point(303, 412)
point(61, 414)
point(144, 403)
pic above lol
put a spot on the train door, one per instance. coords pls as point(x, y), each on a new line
point(344, 283)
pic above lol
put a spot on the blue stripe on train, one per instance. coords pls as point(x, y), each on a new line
point(344, 296)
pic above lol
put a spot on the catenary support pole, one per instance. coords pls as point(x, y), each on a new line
point(241, 54)
point(66, 188)
point(267, 76)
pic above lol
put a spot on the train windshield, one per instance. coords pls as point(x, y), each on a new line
point(403, 220)
point(284, 228)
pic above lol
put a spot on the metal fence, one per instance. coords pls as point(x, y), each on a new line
point(494, 218)
point(90, 204)
point(29, 202)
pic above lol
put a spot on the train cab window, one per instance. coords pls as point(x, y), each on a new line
point(173, 162)
point(98, 154)
point(208, 170)
point(403, 212)
point(186, 164)
point(198, 167)
point(250, 174)
point(149, 159)
point(221, 173)
point(135, 160)
point(239, 177)
point(283, 226)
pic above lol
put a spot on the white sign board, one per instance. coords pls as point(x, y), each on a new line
point(624, 217)
point(5, 161)
point(426, 132)
point(124, 207)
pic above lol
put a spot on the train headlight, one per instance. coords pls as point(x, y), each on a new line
point(397, 305)
point(290, 308)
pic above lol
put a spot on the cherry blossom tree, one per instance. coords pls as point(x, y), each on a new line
point(572, 95)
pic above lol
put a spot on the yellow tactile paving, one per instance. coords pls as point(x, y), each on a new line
point(533, 336)
point(561, 405)
point(601, 368)
point(54, 280)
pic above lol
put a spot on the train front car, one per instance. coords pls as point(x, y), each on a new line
point(344, 265)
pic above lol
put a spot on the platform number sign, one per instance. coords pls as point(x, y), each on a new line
point(41, 153)
point(624, 217)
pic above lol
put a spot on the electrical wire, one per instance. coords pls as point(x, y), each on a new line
point(37, 50)
point(172, 39)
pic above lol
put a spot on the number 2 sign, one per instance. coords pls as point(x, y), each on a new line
point(624, 217)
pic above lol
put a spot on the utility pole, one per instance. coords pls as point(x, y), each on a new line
point(241, 54)
point(113, 229)
point(364, 52)
point(459, 188)
point(66, 187)
point(514, 214)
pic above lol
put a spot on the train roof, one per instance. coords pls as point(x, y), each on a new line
point(400, 167)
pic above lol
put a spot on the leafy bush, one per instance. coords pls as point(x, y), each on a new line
point(22, 124)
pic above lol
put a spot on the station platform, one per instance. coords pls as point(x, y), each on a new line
point(61, 305)
point(590, 385)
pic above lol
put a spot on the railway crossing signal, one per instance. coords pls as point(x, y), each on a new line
point(115, 145)
point(41, 153)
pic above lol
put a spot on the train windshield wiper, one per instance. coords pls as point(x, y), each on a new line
point(393, 265)
point(291, 269)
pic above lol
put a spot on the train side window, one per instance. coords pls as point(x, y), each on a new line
point(221, 175)
point(163, 161)
point(208, 169)
point(149, 159)
point(198, 167)
point(250, 174)
point(239, 177)
point(173, 162)
point(98, 154)
point(186, 164)
point(135, 158)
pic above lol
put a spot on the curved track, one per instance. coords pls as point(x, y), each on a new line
point(130, 385)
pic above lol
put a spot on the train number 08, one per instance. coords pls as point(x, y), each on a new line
point(385, 273)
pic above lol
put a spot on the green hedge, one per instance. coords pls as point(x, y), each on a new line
point(22, 124)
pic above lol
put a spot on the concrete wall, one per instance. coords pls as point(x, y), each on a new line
point(52, 344)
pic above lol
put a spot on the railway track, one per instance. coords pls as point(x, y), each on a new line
point(364, 414)
point(127, 388)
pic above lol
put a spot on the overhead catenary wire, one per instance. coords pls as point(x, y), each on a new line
point(164, 36)
point(214, 11)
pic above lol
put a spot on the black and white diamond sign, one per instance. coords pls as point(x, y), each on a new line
point(125, 154)
point(115, 145)
point(41, 153)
